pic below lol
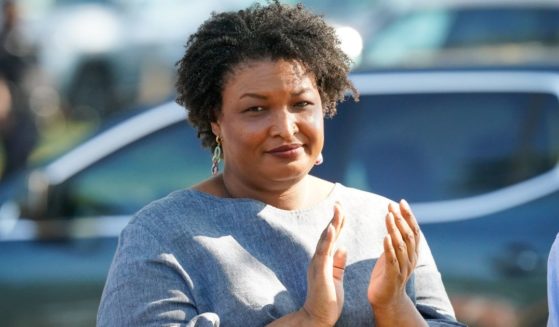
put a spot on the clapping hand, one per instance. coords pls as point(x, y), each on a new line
point(325, 292)
point(325, 276)
point(396, 264)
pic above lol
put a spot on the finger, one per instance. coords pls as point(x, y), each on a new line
point(338, 221)
point(340, 258)
point(331, 233)
point(390, 257)
point(407, 234)
point(397, 242)
point(412, 222)
point(326, 241)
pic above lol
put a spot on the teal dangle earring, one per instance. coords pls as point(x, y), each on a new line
point(216, 158)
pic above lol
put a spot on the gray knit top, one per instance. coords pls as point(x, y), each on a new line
point(193, 259)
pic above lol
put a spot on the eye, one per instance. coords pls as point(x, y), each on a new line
point(302, 104)
point(255, 109)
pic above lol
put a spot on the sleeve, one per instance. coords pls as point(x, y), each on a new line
point(553, 284)
point(430, 295)
point(146, 286)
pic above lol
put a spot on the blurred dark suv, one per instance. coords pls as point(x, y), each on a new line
point(475, 152)
point(456, 33)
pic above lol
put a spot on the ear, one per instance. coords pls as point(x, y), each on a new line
point(216, 128)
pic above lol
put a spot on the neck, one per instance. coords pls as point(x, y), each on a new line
point(284, 195)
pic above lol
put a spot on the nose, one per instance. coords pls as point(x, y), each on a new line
point(284, 124)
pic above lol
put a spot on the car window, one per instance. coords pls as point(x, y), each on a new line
point(432, 147)
point(393, 43)
point(500, 26)
point(516, 33)
point(141, 172)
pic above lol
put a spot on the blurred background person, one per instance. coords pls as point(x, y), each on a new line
point(18, 132)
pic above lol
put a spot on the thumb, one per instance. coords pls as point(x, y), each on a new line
point(340, 258)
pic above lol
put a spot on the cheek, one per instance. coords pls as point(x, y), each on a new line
point(315, 124)
point(255, 127)
point(242, 136)
point(252, 135)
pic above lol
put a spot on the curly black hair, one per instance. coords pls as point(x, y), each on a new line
point(275, 31)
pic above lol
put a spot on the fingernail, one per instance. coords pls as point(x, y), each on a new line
point(388, 238)
point(405, 203)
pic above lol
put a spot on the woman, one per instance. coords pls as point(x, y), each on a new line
point(265, 243)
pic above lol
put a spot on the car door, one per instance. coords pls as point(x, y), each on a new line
point(53, 268)
point(480, 169)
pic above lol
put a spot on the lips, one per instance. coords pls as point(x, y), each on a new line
point(285, 148)
point(287, 151)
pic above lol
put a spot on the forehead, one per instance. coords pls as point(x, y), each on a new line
point(268, 74)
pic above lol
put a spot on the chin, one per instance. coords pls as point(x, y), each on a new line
point(294, 171)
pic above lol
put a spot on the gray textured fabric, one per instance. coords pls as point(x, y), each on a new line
point(192, 259)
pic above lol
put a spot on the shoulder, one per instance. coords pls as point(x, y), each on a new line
point(187, 213)
point(171, 214)
point(170, 206)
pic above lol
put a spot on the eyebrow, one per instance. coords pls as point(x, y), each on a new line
point(263, 97)
point(301, 91)
point(253, 95)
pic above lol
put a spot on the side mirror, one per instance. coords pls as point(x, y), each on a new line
point(36, 202)
point(38, 208)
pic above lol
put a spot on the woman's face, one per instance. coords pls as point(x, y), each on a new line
point(271, 122)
